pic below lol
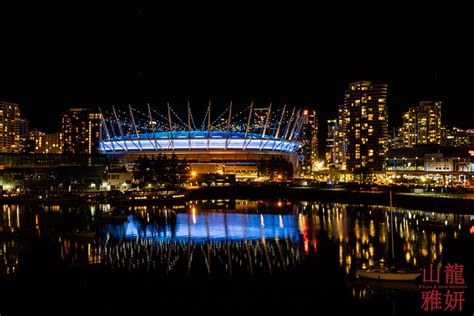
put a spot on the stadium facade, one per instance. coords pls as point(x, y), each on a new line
point(229, 144)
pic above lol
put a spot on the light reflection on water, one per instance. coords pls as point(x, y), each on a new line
point(211, 226)
point(225, 236)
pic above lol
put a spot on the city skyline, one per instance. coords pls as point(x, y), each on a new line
point(200, 157)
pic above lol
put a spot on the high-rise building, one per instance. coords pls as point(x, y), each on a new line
point(456, 137)
point(259, 118)
point(80, 128)
point(364, 125)
point(34, 140)
point(24, 130)
point(309, 137)
point(331, 144)
point(10, 128)
point(395, 138)
point(41, 143)
point(422, 124)
point(341, 139)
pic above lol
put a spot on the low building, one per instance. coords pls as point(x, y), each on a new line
point(215, 179)
point(36, 172)
point(439, 164)
point(119, 179)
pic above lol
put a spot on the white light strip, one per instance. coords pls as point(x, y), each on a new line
point(107, 146)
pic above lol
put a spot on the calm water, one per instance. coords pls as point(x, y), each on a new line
point(257, 256)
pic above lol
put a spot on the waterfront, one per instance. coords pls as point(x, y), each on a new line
point(257, 256)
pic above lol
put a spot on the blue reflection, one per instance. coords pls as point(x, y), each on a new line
point(210, 226)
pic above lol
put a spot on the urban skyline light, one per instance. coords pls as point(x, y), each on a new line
point(272, 158)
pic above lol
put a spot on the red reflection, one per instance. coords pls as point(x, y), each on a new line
point(306, 242)
point(471, 230)
point(315, 244)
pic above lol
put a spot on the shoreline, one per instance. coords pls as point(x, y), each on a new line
point(400, 199)
point(426, 202)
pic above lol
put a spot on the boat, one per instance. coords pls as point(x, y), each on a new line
point(381, 272)
point(86, 234)
point(385, 274)
point(390, 285)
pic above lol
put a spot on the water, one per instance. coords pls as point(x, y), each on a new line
point(218, 255)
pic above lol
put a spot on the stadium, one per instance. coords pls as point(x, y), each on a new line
point(229, 144)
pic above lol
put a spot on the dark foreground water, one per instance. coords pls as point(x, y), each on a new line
point(226, 257)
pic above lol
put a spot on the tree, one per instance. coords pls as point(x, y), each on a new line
point(363, 175)
point(275, 168)
point(160, 170)
point(143, 170)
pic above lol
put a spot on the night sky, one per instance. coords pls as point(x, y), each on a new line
point(54, 57)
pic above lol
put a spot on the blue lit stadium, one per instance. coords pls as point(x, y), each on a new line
point(229, 143)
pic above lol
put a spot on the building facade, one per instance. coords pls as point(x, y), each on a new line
point(36, 172)
point(435, 164)
point(41, 143)
point(309, 151)
point(457, 137)
point(81, 131)
point(422, 124)
point(10, 128)
point(363, 128)
point(331, 144)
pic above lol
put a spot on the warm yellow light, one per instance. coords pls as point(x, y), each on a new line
point(193, 174)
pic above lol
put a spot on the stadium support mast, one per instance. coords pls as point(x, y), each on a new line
point(281, 120)
point(189, 126)
point(150, 123)
point(266, 120)
point(208, 124)
point(287, 128)
point(102, 122)
point(150, 118)
point(119, 126)
point(135, 128)
point(297, 119)
point(248, 121)
point(229, 124)
point(118, 122)
point(170, 125)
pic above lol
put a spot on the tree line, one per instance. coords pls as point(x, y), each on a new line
point(160, 170)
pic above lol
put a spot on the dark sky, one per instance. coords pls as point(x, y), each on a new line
point(53, 57)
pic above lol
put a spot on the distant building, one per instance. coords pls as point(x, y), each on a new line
point(422, 124)
point(41, 143)
point(10, 128)
point(80, 128)
point(457, 137)
point(363, 125)
point(24, 129)
point(340, 142)
point(36, 172)
point(439, 164)
point(331, 144)
point(309, 151)
point(396, 139)
point(34, 140)
point(259, 118)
